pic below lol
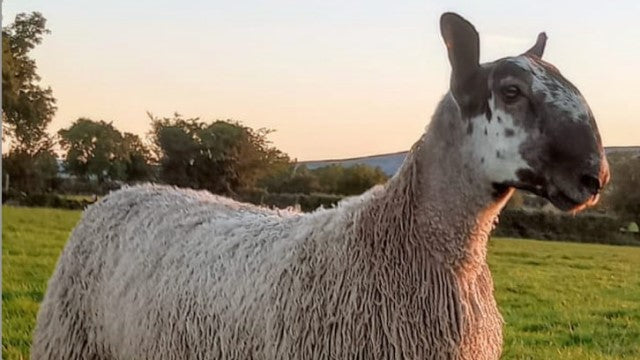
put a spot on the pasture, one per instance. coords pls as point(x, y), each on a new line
point(559, 300)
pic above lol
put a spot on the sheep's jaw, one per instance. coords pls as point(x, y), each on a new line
point(552, 192)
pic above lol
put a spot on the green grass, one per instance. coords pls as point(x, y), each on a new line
point(32, 240)
point(567, 300)
point(559, 300)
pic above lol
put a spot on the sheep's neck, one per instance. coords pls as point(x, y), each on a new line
point(438, 204)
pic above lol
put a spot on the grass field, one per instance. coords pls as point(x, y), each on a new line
point(559, 300)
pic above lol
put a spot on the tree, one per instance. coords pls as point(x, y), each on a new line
point(137, 159)
point(27, 107)
point(94, 148)
point(222, 157)
point(175, 149)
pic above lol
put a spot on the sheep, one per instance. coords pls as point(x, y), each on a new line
point(399, 272)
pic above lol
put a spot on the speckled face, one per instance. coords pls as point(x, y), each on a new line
point(527, 126)
point(537, 133)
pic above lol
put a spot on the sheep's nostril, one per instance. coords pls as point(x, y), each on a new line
point(591, 183)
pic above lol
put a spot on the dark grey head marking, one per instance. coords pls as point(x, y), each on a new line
point(544, 136)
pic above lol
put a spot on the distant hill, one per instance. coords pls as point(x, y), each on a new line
point(389, 163)
point(622, 149)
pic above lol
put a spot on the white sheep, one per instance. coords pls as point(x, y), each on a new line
point(400, 272)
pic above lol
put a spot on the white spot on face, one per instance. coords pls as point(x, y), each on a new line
point(554, 91)
point(501, 153)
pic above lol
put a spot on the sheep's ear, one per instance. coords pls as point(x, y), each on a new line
point(538, 49)
point(463, 47)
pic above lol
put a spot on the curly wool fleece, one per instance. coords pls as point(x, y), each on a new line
point(400, 272)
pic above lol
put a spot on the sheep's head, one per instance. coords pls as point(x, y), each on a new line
point(527, 126)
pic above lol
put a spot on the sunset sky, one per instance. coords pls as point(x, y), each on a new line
point(335, 79)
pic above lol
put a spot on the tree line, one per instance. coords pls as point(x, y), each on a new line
point(223, 156)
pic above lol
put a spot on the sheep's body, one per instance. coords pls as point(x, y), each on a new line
point(181, 274)
point(159, 273)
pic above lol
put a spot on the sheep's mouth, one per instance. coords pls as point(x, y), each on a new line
point(559, 198)
point(564, 202)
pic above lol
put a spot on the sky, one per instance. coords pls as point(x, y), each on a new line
point(335, 79)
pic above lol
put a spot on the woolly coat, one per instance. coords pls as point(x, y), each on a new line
point(155, 272)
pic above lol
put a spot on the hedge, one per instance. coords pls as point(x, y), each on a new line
point(594, 228)
point(44, 200)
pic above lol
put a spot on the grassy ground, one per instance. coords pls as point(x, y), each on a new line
point(559, 300)
point(32, 240)
point(567, 300)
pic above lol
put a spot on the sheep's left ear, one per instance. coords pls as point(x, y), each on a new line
point(463, 48)
point(538, 49)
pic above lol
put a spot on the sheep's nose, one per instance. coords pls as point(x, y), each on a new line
point(591, 183)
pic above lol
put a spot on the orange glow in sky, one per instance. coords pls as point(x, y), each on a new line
point(335, 79)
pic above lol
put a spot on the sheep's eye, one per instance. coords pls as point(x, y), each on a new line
point(511, 92)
